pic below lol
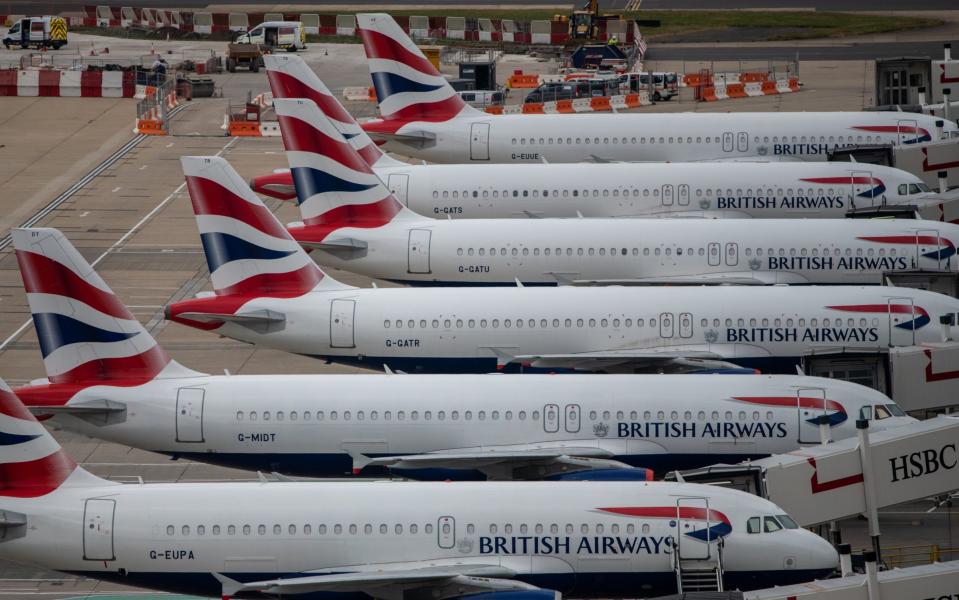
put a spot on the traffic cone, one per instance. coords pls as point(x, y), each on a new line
point(93, 50)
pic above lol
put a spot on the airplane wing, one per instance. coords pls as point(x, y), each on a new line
point(730, 278)
point(688, 358)
point(388, 582)
point(512, 463)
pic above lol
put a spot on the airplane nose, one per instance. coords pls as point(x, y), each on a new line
point(822, 556)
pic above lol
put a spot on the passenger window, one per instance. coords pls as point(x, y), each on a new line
point(752, 525)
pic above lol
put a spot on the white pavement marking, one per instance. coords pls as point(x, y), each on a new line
point(120, 241)
point(116, 189)
point(84, 213)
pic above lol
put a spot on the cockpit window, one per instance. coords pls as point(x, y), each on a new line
point(882, 412)
point(753, 525)
point(914, 189)
point(895, 410)
point(903, 189)
point(787, 522)
point(865, 413)
point(771, 524)
point(923, 187)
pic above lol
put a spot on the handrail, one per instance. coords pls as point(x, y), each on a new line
point(920, 554)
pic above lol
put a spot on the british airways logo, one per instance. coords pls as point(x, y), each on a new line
point(875, 185)
point(941, 248)
point(911, 133)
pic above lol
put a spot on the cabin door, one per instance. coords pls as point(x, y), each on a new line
point(342, 313)
point(903, 321)
point(908, 131)
point(399, 185)
point(189, 415)
point(692, 528)
point(929, 250)
point(863, 191)
point(811, 410)
point(98, 529)
point(479, 141)
point(419, 251)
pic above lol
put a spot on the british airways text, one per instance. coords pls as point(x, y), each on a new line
point(551, 544)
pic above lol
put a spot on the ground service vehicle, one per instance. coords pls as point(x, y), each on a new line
point(243, 55)
point(41, 32)
point(288, 35)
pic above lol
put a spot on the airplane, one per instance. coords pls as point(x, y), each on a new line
point(268, 292)
point(351, 221)
point(424, 118)
point(756, 189)
point(388, 539)
point(419, 426)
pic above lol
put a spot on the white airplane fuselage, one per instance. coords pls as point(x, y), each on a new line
point(643, 251)
point(465, 330)
point(471, 137)
point(592, 542)
point(661, 422)
point(755, 189)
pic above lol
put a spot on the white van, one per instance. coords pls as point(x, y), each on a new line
point(288, 35)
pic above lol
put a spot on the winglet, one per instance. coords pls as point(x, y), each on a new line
point(503, 358)
point(360, 460)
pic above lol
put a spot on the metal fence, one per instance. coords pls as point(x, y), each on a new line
point(910, 556)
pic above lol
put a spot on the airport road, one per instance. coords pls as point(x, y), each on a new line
point(135, 220)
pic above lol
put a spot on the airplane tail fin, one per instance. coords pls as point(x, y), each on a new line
point(87, 335)
point(248, 250)
point(291, 77)
point(32, 463)
point(335, 187)
point(408, 86)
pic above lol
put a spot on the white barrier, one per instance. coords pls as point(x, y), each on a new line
point(273, 17)
point(128, 16)
point(345, 24)
point(104, 16)
point(456, 28)
point(238, 22)
point(721, 91)
point(356, 93)
point(203, 22)
point(419, 27)
point(507, 30)
point(149, 17)
point(311, 23)
point(540, 31)
point(582, 105)
point(550, 108)
point(754, 89)
point(28, 83)
point(70, 83)
point(485, 30)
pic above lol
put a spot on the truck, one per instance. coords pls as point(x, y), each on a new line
point(288, 35)
point(244, 55)
point(39, 32)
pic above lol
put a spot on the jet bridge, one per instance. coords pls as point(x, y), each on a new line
point(843, 479)
point(938, 581)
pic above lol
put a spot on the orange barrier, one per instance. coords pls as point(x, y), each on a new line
point(533, 108)
point(633, 101)
point(600, 103)
point(736, 90)
point(150, 127)
point(769, 88)
point(494, 110)
point(709, 93)
point(520, 80)
point(564, 106)
point(244, 129)
point(753, 77)
point(794, 84)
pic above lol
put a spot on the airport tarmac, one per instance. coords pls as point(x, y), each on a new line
point(135, 223)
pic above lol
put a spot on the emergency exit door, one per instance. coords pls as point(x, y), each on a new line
point(479, 141)
point(341, 323)
point(98, 516)
point(419, 251)
point(189, 415)
point(399, 184)
point(446, 532)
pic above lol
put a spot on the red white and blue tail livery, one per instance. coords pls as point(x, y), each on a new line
point(32, 463)
point(86, 333)
point(408, 86)
point(335, 187)
point(291, 77)
point(249, 254)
